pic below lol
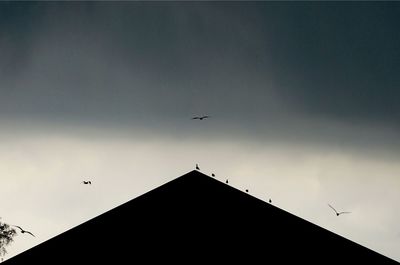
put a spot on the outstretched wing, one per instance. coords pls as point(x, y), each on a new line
point(30, 233)
point(205, 117)
point(194, 118)
point(19, 227)
point(344, 212)
point(332, 208)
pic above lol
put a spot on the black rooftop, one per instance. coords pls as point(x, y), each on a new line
point(197, 218)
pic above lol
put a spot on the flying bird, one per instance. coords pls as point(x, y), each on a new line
point(87, 182)
point(200, 117)
point(24, 231)
point(197, 167)
point(337, 213)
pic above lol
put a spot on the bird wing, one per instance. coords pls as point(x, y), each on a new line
point(19, 227)
point(344, 212)
point(205, 117)
point(195, 118)
point(29, 233)
point(332, 208)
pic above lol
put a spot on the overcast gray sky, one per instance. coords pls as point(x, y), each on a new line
point(303, 98)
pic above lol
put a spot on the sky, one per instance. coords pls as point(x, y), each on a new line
point(302, 98)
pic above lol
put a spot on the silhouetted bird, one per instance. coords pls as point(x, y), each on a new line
point(197, 167)
point(226, 181)
point(337, 213)
point(87, 182)
point(269, 201)
point(212, 175)
point(24, 231)
point(200, 117)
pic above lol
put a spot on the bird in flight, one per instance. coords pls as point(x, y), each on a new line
point(200, 117)
point(197, 167)
point(87, 182)
point(24, 231)
point(337, 213)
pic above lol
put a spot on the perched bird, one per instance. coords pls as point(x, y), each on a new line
point(270, 201)
point(200, 117)
point(197, 167)
point(24, 231)
point(212, 175)
point(226, 181)
point(87, 182)
point(337, 213)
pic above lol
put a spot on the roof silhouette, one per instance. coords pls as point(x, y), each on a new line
point(198, 218)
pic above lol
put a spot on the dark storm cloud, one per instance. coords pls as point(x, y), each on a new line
point(17, 23)
point(253, 65)
point(341, 60)
point(94, 60)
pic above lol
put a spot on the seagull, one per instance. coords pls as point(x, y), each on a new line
point(24, 231)
point(337, 213)
point(197, 167)
point(212, 175)
point(87, 182)
point(200, 117)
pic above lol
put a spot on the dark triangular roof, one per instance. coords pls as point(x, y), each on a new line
point(196, 218)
